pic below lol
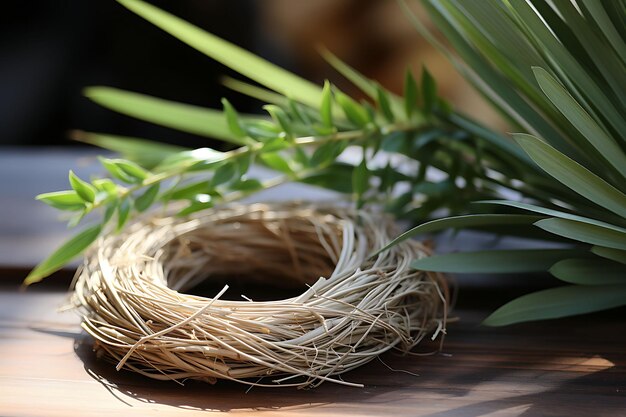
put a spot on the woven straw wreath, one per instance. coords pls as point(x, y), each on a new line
point(130, 292)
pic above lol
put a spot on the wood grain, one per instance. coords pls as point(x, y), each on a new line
point(574, 367)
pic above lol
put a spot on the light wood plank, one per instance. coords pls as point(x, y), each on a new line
point(47, 369)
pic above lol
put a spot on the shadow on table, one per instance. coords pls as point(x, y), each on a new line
point(575, 366)
point(597, 393)
point(224, 395)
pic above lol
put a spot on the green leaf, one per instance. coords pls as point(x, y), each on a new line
point(230, 55)
point(553, 213)
point(360, 179)
point(105, 185)
point(301, 157)
point(243, 163)
point(261, 94)
point(558, 302)
point(232, 120)
point(397, 142)
point(510, 53)
point(589, 271)
point(397, 206)
point(495, 261)
point(189, 191)
point(146, 153)
point(578, 117)
point(495, 139)
point(573, 175)
point(364, 84)
point(199, 159)
point(598, 50)
point(76, 218)
point(131, 169)
point(610, 253)
point(429, 91)
point(585, 232)
point(353, 110)
point(326, 153)
point(280, 118)
point(567, 66)
point(299, 112)
point(479, 71)
point(68, 251)
point(471, 220)
point(115, 171)
point(110, 211)
point(382, 98)
point(184, 117)
point(337, 177)
point(123, 210)
point(247, 185)
point(262, 130)
point(145, 200)
point(275, 161)
point(84, 190)
point(440, 189)
point(326, 107)
point(195, 207)
point(62, 200)
point(410, 94)
point(224, 174)
point(388, 178)
point(599, 12)
point(273, 145)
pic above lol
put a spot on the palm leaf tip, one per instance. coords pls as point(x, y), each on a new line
point(558, 302)
point(238, 59)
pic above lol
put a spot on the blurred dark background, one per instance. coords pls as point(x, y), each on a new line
point(51, 50)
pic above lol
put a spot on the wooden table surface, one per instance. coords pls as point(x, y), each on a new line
point(574, 367)
point(570, 367)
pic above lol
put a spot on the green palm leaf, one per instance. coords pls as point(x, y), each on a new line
point(558, 302)
point(240, 60)
point(557, 68)
point(495, 261)
point(145, 152)
point(588, 90)
point(472, 220)
point(604, 23)
point(573, 175)
point(611, 237)
point(589, 271)
point(586, 125)
point(616, 255)
point(184, 117)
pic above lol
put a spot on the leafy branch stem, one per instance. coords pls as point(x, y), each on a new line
point(255, 147)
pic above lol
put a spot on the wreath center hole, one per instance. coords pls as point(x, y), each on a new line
point(252, 255)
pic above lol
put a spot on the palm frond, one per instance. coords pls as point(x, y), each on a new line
point(556, 68)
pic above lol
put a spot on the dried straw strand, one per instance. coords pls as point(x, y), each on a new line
point(130, 292)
